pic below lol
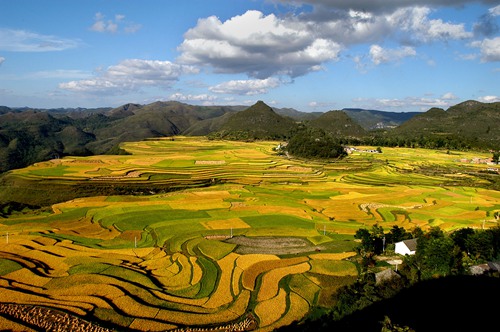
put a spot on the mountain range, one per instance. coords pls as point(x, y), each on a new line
point(30, 135)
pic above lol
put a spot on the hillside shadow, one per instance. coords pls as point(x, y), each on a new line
point(459, 303)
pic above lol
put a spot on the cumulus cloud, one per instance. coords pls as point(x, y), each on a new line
point(408, 24)
point(2, 60)
point(246, 87)
point(380, 55)
point(101, 24)
point(26, 41)
point(495, 11)
point(131, 75)
point(263, 46)
point(415, 21)
point(489, 99)
point(487, 25)
point(379, 5)
point(258, 45)
point(490, 49)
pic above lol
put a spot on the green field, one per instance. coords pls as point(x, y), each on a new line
point(162, 259)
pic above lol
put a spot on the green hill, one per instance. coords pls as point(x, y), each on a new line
point(338, 124)
point(258, 121)
point(30, 136)
point(471, 124)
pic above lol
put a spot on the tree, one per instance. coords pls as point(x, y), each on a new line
point(461, 236)
point(371, 241)
point(435, 232)
point(438, 257)
point(496, 157)
point(480, 246)
point(417, 232)
point(314, 143)
point(378, 238)
point(397, 234)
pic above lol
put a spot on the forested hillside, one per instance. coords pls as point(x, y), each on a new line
point(31, 135)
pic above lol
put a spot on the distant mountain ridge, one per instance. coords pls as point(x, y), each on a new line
point(373, 119)
point(31, 135)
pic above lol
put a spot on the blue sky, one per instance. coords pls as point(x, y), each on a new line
point(311, 55)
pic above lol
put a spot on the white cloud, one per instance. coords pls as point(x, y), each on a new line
point(489, 99)
point(411, 24)
point(415, 22)
point(26, 41)
point(131, 75)
point(246, 87)
point(321, 106)
point(263, 46)
point(487, 25)
point(258, 45)
point(100, 25)
point(490, 49)
point(449, 96)
point(2, 60)
point(112, 26)
point(380, 55)
point(495, 11)
point(190, 97)
point(379, 5)
point(408, 104)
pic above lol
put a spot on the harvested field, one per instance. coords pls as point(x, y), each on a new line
point(272, 245)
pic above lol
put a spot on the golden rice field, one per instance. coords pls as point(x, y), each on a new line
point(268, 240)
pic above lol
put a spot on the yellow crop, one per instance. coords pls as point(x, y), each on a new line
point(222, 294)
point(271, 310)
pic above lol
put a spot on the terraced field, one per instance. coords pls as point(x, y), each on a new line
point(253, 240)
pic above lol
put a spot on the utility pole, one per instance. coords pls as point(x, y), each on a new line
point(7, 237)
point(324, 229)
point(135, 241)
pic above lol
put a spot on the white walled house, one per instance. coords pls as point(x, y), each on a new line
point(406, 247)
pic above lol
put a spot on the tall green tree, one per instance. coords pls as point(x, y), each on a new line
point(438, 257)
point(314, 143)
point(496, 157)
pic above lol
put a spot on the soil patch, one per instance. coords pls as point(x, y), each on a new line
point(273, 245)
